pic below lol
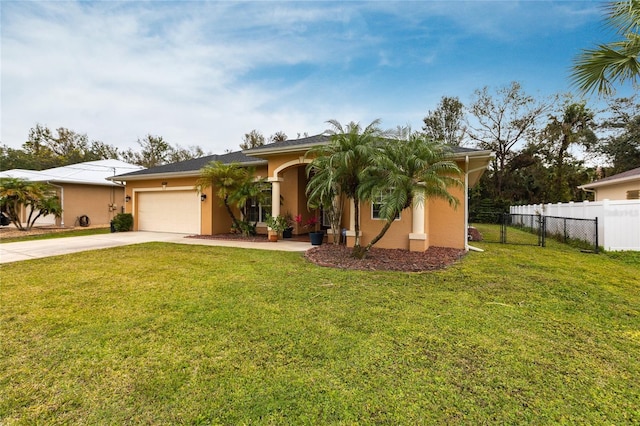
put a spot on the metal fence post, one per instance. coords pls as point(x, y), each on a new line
point(597, 247)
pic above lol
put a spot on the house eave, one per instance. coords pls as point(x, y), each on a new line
point(609, 182)
point(190, 173)
point(180, 174)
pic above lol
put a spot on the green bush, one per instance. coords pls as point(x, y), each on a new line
point(123, 222)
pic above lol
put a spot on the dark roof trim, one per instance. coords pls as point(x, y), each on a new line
point(191, 167)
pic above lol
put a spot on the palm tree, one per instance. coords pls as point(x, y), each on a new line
point(597, 69)
point(37, 197)
point(343, 163)
point(232, 182)
point(411, 169)
point(323, 192)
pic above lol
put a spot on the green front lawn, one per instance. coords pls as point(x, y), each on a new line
point(175, 334)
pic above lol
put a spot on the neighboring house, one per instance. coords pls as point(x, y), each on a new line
point(83, 189)
point(164, 198)
point(623, 186)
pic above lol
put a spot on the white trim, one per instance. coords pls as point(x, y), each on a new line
point(597, 184)
point(300, 160)
point(371, 203)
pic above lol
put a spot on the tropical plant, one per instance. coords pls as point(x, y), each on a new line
point(572, 125)
point(595, 70)
point(343, 162)
point(277, 223)
point(309, 224)
point(411, 169)
point(38, 198)
point(323, 192)
point(234, 186)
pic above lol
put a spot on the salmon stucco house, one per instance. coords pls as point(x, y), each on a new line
point(164, 198)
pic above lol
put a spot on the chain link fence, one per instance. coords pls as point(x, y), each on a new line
point(581, 233)
point(535, 229)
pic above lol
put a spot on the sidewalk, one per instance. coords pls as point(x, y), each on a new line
point(18, 251)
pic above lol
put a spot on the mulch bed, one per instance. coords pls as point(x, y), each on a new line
point(384, 259)
point(378, 259)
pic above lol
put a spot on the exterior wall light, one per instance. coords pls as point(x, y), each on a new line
point(127, 198)
point(203, 197)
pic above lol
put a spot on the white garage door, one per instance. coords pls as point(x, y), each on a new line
point(169, 211)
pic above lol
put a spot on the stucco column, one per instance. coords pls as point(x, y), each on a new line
point(275, 195)
point(351, 232)
point(417, 237)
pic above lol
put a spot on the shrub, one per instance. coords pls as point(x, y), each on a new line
point(123, 222)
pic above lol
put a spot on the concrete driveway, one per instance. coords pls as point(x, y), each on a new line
point(25, 250)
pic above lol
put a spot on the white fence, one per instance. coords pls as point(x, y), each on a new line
point(618, 220)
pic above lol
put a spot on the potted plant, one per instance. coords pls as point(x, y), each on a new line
point(310, 225)
point(288, 232)
point(277, 224)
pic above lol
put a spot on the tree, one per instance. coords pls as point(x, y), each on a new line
point(621, 146)
point(445, 123)
point(572, 125)
point(155, 151)
point(37, 198)
point(323, 191)
point(597, 69)
point(234, 186)
point(64, 147)
point(11, 158)
point(410, 169)
point(349, 154)
point(279, 136)
point(179, 153)
point(502, 123)
point(252, 139)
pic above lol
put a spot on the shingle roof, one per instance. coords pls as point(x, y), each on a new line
point(627, 174)
point(195, 164)
point(309, 140)
point(319, 140)
point(248, 157)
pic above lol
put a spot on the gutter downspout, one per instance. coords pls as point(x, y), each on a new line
point(61, 201)
point(593, 191)
point(466, 203)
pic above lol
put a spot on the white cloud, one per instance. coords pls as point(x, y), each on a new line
point(205, 73)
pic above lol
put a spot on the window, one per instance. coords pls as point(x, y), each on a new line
point(376, 206)
point(257, 212)
point(633, 194)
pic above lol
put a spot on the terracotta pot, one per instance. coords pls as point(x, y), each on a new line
point(273, 238)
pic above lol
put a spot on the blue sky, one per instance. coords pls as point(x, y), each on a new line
point(204, 73)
